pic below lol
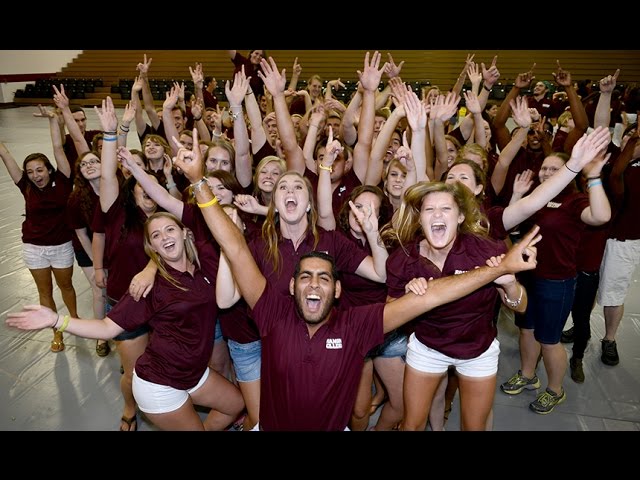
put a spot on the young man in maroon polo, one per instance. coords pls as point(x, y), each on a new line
point(312, 353)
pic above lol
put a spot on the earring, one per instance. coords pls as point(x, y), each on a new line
point(275, 210)
point(308, 208)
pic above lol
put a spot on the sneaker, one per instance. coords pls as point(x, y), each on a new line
point(567, 336)
point(577, 373)
point(609, 352)
point(518, 382)
point(546, 401)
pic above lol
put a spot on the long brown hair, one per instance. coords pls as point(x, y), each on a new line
point(190, 248)
point(270, 227)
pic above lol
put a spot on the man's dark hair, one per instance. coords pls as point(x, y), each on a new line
point(77, 108)
point(320, 255)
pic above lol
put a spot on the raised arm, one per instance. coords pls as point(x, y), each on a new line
point(457, 87)
point(109, 187)
point(274, 82)
point(523, 80)
point(250, 280)
point(235, 96)
point(521, 257)
point(578, 112)
point(147, 97)
point(15, 172)
point(258, 134)
point(62, 102)
point(584, 152)
point(62, 163)
point(130, 111)
point(326, 217)
point(417, 119)
point(602, 116)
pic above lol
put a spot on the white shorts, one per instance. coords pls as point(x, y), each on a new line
point(428, 360)
point(156, 398)
point(616, 270)
point(45, 256)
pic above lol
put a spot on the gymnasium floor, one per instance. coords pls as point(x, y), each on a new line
point(77, 390)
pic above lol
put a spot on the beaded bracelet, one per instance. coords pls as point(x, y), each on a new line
point(514, 303)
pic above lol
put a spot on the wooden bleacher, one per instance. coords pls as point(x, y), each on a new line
point(437, 67)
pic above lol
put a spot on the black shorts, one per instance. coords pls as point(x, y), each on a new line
point(83, 259)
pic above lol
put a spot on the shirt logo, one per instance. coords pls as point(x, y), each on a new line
point(554, 205)
point(635, 164)
point(334, 343)
point(342, 189)
point(458, 272)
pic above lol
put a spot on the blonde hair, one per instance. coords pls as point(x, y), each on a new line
point(407, 225)
point(190, 248)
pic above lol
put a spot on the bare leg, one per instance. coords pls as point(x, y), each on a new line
point(391, 371)
point(555, 363)
point(419, 389)
point(612, 319)
point(129, 351)
point(436, 414)
point(97, 296)
point(251, 395)
point(44, 284)
point(222, 397)
point(476, 401)
point(221, 360)
point(64, 277)
point(362, 406)
point(529, 352)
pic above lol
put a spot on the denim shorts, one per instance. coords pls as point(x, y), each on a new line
point(246, 359)
point(125, 335)
point(394, 345)
point(218, 334)
point(45, 256)
point(549, 305)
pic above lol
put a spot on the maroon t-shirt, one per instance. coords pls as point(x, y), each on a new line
point(626, 224)
point(76, 218)
point(357, 290)
point(559, 140)
point(250, 70)
point(45, 220)
point(335, 243)
point(264, 151)
point(463, 328)
point(124, 255)
point(236, 323)
point(561, 228)
point(348, 182)
point(543, 105)
point(311, 383)
point(182, 323)
point(591, 248)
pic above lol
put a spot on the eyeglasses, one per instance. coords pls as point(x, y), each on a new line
point(86, 163)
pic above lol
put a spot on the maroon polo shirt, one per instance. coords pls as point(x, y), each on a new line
point(45, 220)
point(626, 224)
point(561, 228)
point(236, 323)
point(357, 290)
point(250, 70)
point(544, 105)
point(124, 253)
point(182, 323)
point(591, 248)
point(461, 329)
point(311, 383)
point(76, 218)
point(496, 225)
point(334, 242)
point(340, 195)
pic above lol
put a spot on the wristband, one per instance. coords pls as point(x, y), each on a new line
point(594, 178)
point(171, 185)
point(65, 324)
point(594, 183)
point(211, 202)
point(572, 171)
point(487, 89)
point(328, 169)
point(197, 119)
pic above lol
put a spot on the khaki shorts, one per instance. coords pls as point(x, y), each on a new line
point(616, 271)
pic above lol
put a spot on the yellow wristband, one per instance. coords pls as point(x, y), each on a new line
point(211, 202)
point(65, 323)
point(328, 169)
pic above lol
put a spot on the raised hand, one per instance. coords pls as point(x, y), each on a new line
point(523, 80)
point(523, 182)
point(562, 76)
point(332, 150)
point(190, 162)
point(44, 112)
point(587, 148)
point(60, 97)
point(107, 115)
point(275, 82)
point(608, 83)
point(371, 74)
point(143, 67)
point(391, 69)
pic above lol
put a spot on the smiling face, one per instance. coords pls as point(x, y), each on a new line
point(218, 159)
point(143, 200)
point(90, 167)
point(153, 150)
point(395, 181)
point(549, 167)
point(37, 172)
point(439, 219)
point(167, 239)
point(314, 289)
point(291, 198)
point(224, 196)
point(464, 174)
point(268, 176)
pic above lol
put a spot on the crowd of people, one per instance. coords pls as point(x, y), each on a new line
point(292, 262)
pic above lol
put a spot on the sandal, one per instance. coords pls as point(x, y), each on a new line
point(57, 344)
point(132, 423)
point(103, 349)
